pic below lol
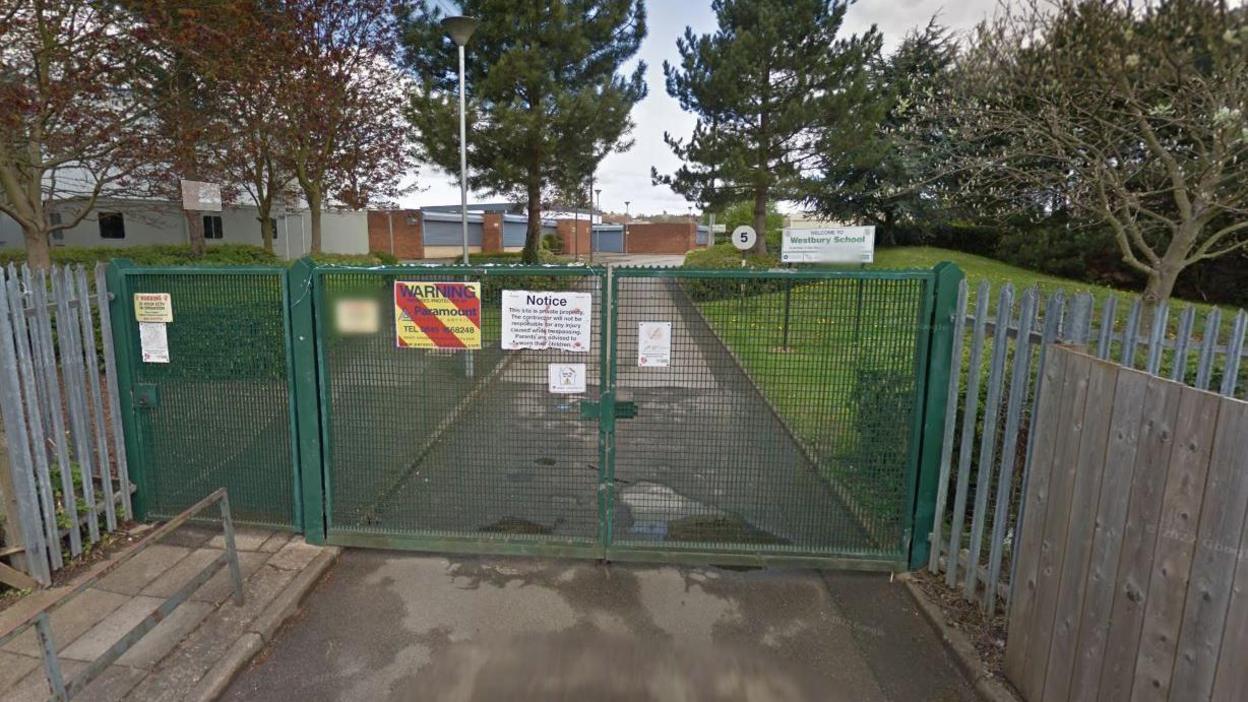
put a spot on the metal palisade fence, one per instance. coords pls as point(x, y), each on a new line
point(1002, 339)
point(66, 482)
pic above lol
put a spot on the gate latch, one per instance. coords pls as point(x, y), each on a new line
point(146, 395)
point(624, 409)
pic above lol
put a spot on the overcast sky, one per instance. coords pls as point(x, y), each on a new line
point(626, 176)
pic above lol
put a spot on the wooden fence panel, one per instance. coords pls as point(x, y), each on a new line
point(1057, 516)
point(1135, 563)
point(1172, 559)
point(1036, 498)
point(1213, 566)
point(1131, 580)
point(1111, 518)
point(1086, 484)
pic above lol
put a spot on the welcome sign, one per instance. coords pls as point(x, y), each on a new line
point(839, 245)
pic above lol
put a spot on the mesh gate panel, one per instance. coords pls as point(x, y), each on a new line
point(222, 412)
point(784, 422)
point(420, 446)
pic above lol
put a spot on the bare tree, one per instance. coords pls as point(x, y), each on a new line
point(75, 112)
point(1126, 113)
point(341, 126)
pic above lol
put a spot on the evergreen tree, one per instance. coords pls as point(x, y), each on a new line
point(877, 176)
point(770, 80)
point(546, 99)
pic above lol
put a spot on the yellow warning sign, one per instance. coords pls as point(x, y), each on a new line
point(437, 315)
point(153, 307)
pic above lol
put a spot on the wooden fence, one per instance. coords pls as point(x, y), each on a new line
point(65, 482)
point(1130, 579)
point(1003, 339)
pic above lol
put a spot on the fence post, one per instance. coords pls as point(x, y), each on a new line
point(935, 400)
point(305, 398)
point(120, 313)
point(20, 460)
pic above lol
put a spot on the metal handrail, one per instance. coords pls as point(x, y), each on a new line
point(63, 690)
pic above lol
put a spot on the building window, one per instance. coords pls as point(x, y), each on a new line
point(212, 226)
point(112, 225)
point(54, 219)
point(273, 227)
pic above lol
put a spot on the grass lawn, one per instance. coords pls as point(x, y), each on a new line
point(981, 268)
point(845, 382)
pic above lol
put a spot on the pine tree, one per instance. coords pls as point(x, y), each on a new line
point(546, 100)
point(874, 174)
point(765, 85)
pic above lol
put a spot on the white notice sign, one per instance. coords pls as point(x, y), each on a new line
point(654, 344)
point(842, 245)
point(547, 320)
point(153, 342)
point(567, 378)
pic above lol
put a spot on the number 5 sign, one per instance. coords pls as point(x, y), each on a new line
point(744, 237)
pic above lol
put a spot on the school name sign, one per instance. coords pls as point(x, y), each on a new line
point(840, 245)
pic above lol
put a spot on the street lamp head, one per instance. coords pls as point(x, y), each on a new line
point(460, 28)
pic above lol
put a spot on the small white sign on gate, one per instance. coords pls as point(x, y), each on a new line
point(654, 344)
point(566, 378)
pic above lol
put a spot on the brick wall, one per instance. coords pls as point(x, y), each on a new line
point(408, 242)
point(574, 245)
point(491, 232)
point(660, 238)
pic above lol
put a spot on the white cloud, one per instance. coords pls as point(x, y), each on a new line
point(626, 176)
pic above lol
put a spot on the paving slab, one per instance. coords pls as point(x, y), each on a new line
point(295, 555)
point(220, 586)
point(71, 620)
point(14, 667)
point(276, 542)
point(176, 676)
point(110, 629)
point(158, 642)
point(180, 574)
point(194, 651)
point(191, 535)
point(245, 538)
point(140, 571)
point(111, 685)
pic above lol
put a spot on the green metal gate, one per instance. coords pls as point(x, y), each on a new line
point(794, 416)
point(454, 450)
point(218, 411)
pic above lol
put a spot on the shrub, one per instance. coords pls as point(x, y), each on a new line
point(154, 255)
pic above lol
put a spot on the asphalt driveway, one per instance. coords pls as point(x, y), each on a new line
point(403, 626)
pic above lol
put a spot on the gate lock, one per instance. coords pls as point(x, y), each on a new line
point(146, 395)
point(624, 409)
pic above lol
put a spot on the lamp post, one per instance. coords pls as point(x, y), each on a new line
point(460, 28)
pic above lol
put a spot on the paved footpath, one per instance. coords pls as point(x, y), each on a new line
point(195, 651)
point(404, 626)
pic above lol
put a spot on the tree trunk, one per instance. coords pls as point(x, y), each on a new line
point(195, 232)
point(760, 221)
point(314, 220)
point(533, 235)
point(38, 253)
point(266, 226)
point(1161, 284)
